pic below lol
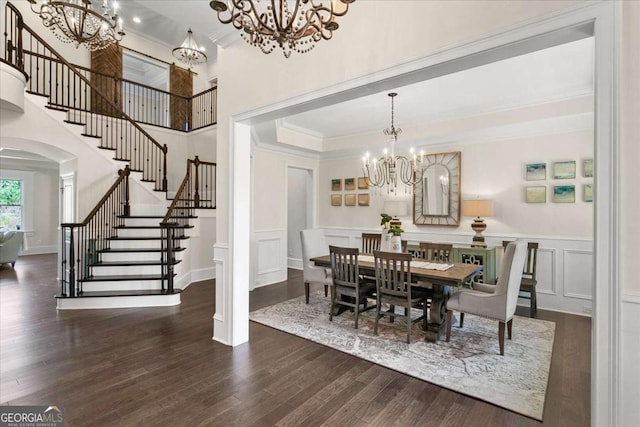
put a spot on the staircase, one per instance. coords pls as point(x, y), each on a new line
point(113, 258)
point(130, 271)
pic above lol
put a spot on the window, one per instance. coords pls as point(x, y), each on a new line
point(11, 200)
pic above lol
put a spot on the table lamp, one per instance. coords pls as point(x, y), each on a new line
point(395, 208)
point(478, 208)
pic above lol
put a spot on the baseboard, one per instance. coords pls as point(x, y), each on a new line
point(39, 250)
point(295, 263)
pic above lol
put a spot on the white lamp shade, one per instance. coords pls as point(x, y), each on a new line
point(395, 208)
point(479, 208)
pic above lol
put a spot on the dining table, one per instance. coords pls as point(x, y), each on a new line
point(442, 278)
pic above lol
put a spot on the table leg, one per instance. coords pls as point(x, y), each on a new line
point(437, 312)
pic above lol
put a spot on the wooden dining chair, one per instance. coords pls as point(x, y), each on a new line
point(393, 287)
point(371, 242)
point(528, 282)
point(348, 289)
point(437, 252)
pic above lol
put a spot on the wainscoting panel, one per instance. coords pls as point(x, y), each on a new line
point(271, 261)
point(578, 274)
point(546, 271)
point(565, 265)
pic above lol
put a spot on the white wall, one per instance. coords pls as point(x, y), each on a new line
point(492, 170)
point(298, 198)
point(630, 207)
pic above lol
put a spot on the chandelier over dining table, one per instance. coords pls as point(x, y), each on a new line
point(388, 171)
point(80, 22)
point(292, 25)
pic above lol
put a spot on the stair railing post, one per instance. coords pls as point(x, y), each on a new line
point(127, 207)
point(72, 264)
point(196, 195)
point(167, 264)
point(164, 168)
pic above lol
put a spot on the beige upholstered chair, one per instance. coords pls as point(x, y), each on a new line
point(393, 287)
point(314, 244)
point(499, 305)
point(371, 242)
point(529, 282)
point(348, 289)
point(11, 242)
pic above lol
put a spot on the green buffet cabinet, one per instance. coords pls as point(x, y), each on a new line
point(486, 257)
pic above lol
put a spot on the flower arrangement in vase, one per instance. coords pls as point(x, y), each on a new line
point(396, 239)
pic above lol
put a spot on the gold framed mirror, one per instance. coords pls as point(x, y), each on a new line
point(436, 194)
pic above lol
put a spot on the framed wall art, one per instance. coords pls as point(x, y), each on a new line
point(535, 194)
point(587, 168)
point(363, 183)
point(587, 193)
point(349, 199)
point(336, 200)
point(336, 185)
point(536, 172)
point(564, 194)
point(349, 184)
point(363, 199)
point(564, 170)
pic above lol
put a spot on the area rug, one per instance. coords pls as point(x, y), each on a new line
point(469, 364)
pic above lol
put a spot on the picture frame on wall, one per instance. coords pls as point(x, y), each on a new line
point(349, 199)
point(363, 199)
point(564, 194)
point(536, 194)
point(349, 184)
point(587, 168)
point(336, 184)
point(587, 193)
point(536, 171)
point(363, 183)
point(564, 170)
point(336, 200)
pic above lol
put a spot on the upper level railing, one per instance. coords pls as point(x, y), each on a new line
point(68, 88)
point(157, 107)
point(83, 241)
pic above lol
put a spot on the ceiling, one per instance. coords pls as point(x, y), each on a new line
point(543, 77)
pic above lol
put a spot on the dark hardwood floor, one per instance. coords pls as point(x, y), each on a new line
point(159, 367)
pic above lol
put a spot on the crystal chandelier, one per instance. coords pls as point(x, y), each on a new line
point(189, 52)
point(292, 25)
point(76, 21)
point(388, 170)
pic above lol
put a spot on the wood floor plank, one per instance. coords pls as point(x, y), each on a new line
point(159, 366)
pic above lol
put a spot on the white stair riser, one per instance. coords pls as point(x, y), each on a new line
point(135, 244)
point(126, 270)
point(139, 232)
point(118, 302)
point(142, 221)
point(133, 256)
point(138, 285)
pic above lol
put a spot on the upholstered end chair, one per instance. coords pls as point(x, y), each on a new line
point(11, 242)
point(496, 302)
point(314, 244)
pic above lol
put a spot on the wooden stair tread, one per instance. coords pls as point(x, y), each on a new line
point(144, 238)
point(130, 263)
point(147, 227)
point(123, 277)
point(156, 217)
point(92, 136)
point(136, 250)
point(132, 293)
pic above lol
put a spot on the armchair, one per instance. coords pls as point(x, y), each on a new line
point(314, 244)
point(10, 242)
point(500, 304)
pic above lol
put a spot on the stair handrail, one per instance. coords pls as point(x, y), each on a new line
point(112, 104)
point(80, 252)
